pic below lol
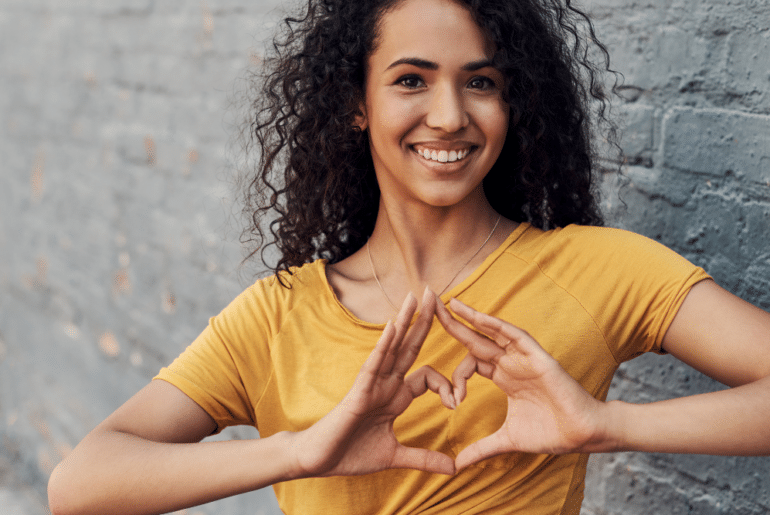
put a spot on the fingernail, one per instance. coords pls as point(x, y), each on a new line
point(447, 399)
point(407, 300)
point(457, 302)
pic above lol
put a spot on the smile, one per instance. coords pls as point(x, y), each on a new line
point(443, 156)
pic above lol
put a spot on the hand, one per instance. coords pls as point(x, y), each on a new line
point(548, 411)
point(357, 437)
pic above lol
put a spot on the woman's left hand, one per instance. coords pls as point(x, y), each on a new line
point(548, 411)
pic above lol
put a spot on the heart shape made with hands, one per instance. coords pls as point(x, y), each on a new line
point(548, 411)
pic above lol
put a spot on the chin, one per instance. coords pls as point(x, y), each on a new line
point(453, 198)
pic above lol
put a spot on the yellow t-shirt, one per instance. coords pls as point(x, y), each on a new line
point(279, 359)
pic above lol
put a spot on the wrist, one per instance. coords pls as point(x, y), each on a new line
point(287, 444)
point(617, 419)
point(610, 435)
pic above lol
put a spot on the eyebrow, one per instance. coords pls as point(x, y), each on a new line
point(430, 65)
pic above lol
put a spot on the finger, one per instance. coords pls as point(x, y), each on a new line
point(412, 343)
point(423, 459)
point(379, 356)
point(479, 450)
point(478, 345)
point(467, 367)
point(404, 318)
point(460, 376)
point(502, 332)
point(426, 378)
point(395, 335)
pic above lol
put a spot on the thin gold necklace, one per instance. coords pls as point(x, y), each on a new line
point(374, 273)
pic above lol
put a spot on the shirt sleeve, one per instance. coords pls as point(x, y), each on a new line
point(631, 285)
point(226, 369)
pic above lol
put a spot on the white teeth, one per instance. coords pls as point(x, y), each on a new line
point(443, 156)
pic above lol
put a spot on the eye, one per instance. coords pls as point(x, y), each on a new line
point(483, 83)
point(410, 81)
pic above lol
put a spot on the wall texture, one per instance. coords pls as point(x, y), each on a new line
point(117, 241)
point(697, 116)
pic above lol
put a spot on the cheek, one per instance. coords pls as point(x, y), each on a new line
point(404, 109)
point(495, 123)
point(395, 119)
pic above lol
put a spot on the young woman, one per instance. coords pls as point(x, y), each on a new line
point(433, 150)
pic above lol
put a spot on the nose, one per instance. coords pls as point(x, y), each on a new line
point(447, 110)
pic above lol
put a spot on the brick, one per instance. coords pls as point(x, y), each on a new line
point(637, 141)
point(748, 62)
point(713, 141)
point(655, 55)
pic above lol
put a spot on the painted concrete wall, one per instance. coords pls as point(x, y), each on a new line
point(118, 241)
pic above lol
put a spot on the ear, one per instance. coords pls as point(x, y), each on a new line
point(361, 121)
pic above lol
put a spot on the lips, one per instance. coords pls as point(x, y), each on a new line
point(442, 155)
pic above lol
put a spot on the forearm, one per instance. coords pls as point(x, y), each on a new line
point(728, 422)
point(113, 472)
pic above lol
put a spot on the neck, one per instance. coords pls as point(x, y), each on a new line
point(414, 246)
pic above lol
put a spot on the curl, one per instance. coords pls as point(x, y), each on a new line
point(313, 193)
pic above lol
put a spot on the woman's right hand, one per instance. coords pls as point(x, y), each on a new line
point(357, 436)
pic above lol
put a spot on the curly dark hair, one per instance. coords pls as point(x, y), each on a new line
point(315, 189)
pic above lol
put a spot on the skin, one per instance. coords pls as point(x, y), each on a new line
point(420, 96)
point(548, 411)
point(147, 457)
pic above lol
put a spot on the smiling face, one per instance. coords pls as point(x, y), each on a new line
point(434, 109)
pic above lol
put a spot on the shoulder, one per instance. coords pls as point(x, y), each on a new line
point(577, 245)
point(298, 280)
point(269, 299)
point(538, 240)
point(631, 285)
point(584, 260)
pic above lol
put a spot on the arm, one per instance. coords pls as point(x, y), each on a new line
point(147, 456)
point(727, 339)
point(549, 412)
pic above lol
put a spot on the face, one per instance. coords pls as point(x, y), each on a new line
point(433, 109)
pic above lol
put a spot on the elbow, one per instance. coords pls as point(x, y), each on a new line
point(56, 497)
point(61, 495)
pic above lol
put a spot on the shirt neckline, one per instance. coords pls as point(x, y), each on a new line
point(445, 298)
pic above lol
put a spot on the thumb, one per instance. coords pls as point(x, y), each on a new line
point(487, 447)
point(423, 459)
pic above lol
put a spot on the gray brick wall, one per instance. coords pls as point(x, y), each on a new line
point(697, 121)
point(117, 239)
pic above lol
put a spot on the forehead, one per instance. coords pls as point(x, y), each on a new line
point(438, 30)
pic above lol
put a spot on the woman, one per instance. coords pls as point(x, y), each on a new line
point(462, 129)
